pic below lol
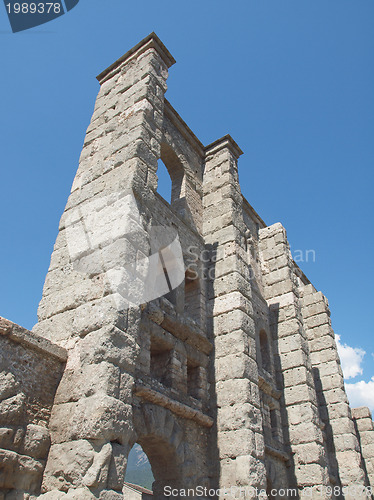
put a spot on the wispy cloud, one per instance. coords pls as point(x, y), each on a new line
point(351, 359)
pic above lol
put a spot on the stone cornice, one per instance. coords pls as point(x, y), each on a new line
point(29, 339)
point(226, 142)
point(183, 128)
point(179, 409)
point(150, 41)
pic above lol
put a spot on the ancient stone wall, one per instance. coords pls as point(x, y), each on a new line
point(365, 431)
point(341, 445)
point(187, 326)
point(138, 368)
point(302, 426)
point(240, 440)
point(30, 370)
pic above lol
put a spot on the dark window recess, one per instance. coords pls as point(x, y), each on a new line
point(265, 352)
point(192, 295)
point(193, 380)
point(274, 423)
point(159, 363)
point(167, 260)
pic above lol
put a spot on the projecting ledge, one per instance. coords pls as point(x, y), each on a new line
point(281, 455)
point(150, 41)
point(226, 142)
point(179, 409)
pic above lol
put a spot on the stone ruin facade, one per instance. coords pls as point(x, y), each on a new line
point(228, 378)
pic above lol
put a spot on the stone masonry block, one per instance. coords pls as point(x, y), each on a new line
point(236, 320)
point(229, 302)
point(299, 394)
point(232, 343)
point(236, 366)
point(239, 416)
point(230, 392)
point(235, 443)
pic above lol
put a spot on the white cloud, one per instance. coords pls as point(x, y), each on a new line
point(361, 394)
point(351, 359)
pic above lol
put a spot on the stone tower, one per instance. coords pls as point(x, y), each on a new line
point(187, 327)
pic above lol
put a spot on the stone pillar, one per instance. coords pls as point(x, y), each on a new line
point(365, 431)
point(301, 421)
point(239, 422)
point(97, 264)
point(343, 450)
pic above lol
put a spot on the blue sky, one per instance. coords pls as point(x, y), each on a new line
point(292, 81)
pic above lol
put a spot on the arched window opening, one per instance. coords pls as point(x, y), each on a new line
point(170, 175)
point(165, 464)
point(192, 305)
point(139, 477)
point(269, 489)
point(164, 185)
point(160, 357)
point(265, 352)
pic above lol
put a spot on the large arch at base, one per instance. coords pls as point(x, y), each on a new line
point(161, 438)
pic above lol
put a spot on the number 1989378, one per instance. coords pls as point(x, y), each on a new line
point(34, 8)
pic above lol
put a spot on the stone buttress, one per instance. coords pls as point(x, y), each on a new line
point(239, 422)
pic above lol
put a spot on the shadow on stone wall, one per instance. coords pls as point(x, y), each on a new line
point(213, 444)
point(274, 318)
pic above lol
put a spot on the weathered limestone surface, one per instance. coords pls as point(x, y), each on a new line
point(185, 327)
point(301, 421)
point(344, 456)
point(129, 365)
point(239, 423)
point(30, 370)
